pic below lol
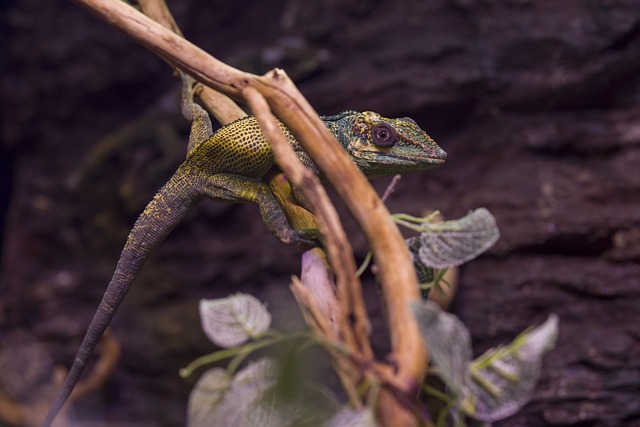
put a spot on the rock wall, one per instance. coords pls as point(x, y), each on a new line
point(537, 104)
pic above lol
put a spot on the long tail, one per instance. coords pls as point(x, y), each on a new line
point(162, 214)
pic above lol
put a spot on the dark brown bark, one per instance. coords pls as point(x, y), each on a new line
point(535, 102)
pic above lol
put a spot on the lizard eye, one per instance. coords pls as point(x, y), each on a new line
point(384, 135)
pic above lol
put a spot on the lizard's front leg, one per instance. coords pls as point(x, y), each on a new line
point(201, 127)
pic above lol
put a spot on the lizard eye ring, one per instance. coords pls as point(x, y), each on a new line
point(384, 135)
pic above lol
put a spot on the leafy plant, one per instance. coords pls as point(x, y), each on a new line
point(250, 396)
point(493, 386)
point(489, 388)
point(444, 244)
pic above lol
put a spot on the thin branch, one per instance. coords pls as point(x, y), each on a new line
point(219, 105)
point(159, 12)
point(391, 187)
point(353, 313)
point(223, 108)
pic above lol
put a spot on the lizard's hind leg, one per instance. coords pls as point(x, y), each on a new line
point(201, 127)
point(241, 189)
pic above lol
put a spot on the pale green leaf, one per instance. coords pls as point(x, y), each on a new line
point(448, 341)
point(245, 400)
point(253, 397)
point(353, 418)
point(425, 273)
point(207, 395)
point(504, 378)
point(498, 383)
point(231, 321)
point(454, 242)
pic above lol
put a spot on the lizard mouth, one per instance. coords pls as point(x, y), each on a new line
point(404, 160)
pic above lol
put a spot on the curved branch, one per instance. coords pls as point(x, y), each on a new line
point(354, 325)
point(219, 105)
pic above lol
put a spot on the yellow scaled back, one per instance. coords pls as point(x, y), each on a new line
point(239, 148)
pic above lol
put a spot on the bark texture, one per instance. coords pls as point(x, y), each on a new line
point(536, 102)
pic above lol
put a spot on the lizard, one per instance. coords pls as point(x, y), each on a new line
point(230, 165)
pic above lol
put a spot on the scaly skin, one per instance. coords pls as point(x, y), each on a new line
point(229, 166)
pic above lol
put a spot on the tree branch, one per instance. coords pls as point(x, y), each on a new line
point(392, 257)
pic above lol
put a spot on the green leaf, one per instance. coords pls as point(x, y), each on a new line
point(454, 242)
point(245, 400)
point(425, 274)
point(207, 395)
point(503, 379)
point(353, 418)
point(498, 383)
point(448, 341)
point(231, 321)
point(255, 397)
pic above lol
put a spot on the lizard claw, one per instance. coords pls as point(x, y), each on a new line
point(307, 237)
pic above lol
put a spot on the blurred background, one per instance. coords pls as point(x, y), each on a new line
point(536, 102)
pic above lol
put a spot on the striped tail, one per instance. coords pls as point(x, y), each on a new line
point(162, 214)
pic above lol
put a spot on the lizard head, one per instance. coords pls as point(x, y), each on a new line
point(382, 146)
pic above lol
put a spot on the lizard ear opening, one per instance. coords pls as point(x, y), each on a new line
point(384, 135)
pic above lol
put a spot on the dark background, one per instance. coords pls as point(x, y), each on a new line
point(536, 102)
